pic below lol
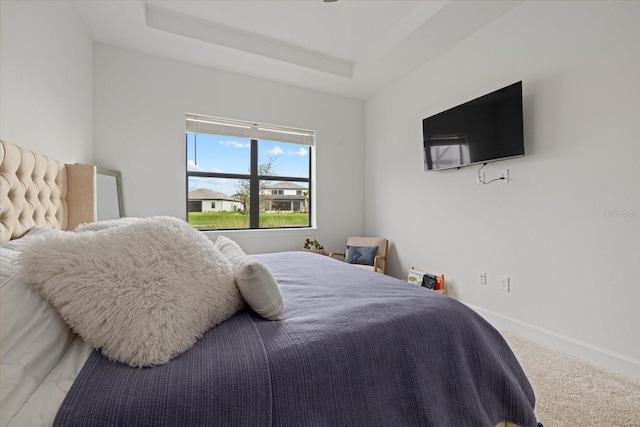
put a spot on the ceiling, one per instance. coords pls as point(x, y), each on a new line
point(352, 48)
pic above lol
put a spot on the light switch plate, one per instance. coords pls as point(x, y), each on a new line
point(482, 278)
point(504, 283)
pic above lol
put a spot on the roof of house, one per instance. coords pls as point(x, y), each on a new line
point(285, 186)
point(205, 194)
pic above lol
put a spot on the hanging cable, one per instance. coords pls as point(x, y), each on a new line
point(482, 181)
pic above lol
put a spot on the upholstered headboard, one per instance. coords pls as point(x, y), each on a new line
point(38, 191)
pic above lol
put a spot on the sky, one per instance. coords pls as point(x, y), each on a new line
point(216, 153)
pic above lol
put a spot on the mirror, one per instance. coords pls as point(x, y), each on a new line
point(109, 194)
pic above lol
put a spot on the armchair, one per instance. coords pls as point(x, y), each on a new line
point(366, 252)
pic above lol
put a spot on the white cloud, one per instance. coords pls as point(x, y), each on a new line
point(301, 152)
point(236, 144)
point(192, 166)
point(196, 182)
point(276, 150)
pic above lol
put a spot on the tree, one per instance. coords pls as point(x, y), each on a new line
point(266, 169)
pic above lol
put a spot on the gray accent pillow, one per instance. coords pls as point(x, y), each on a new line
point(254, 280)
point(363, 255)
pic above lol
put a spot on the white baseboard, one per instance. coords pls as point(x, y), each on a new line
point(595, 355)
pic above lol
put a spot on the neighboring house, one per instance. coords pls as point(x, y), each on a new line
point(203, 200)
point(284, 197)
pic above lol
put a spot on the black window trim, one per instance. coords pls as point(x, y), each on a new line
point(254, 188)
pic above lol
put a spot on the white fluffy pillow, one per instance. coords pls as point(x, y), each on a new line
point(256, 283)
point(101, 225)
point(142, 292)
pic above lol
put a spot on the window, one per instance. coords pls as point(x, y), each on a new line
point(259, 175)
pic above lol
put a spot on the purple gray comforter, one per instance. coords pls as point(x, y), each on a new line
point(355, 349)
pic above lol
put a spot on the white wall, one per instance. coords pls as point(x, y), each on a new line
point(46, 80)
point(566, 229)
point(140, 104)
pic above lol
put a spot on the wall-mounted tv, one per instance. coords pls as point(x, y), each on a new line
point(485, 129)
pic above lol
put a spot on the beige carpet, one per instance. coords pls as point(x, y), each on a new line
point(572, 392)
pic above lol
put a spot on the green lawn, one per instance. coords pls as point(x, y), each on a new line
point(227, 220)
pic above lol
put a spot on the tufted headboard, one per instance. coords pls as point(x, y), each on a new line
point(38, 191)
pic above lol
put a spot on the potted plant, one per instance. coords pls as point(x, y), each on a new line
point(313, 246)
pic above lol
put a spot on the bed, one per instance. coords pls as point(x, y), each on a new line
point(349, 348)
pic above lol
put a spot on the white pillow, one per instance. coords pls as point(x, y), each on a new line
point(231, 250)
point(143, 292)
point(31, 235)
point(256, 283)
point(260, 289)
point(34, 337)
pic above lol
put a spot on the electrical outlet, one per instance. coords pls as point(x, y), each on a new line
point(504, 283)
point(504, 173)
point(482, 278)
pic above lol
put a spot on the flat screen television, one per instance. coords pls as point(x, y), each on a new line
point(485, 129)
